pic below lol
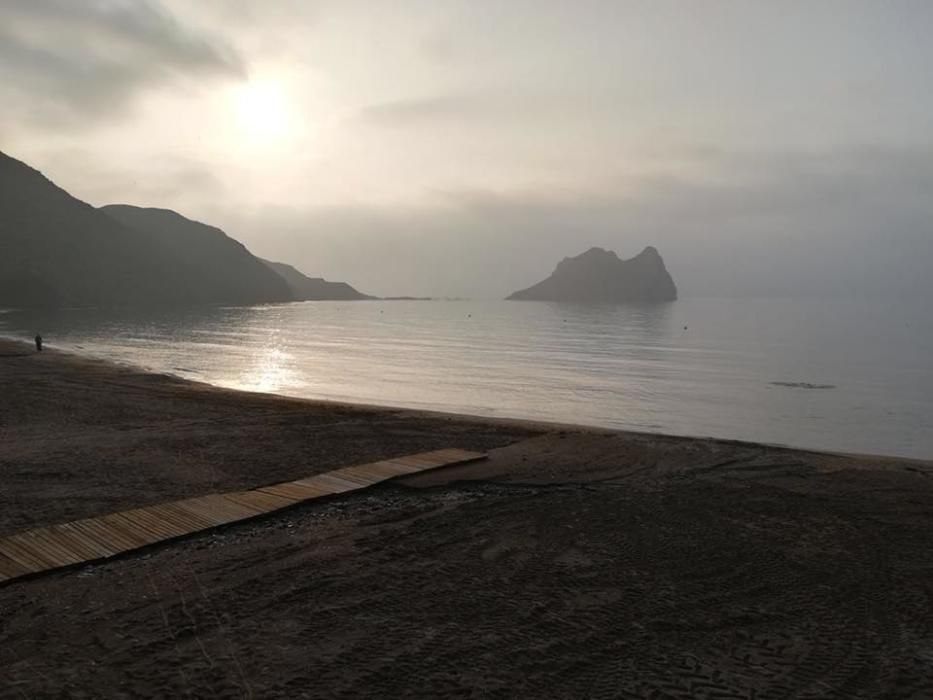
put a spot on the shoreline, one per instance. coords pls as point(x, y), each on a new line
point(505, 421)
point(570, 561)
point(77, 421)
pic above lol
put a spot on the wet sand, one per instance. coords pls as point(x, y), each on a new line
point(573, 563)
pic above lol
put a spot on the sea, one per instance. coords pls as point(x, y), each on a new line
point(838, 375)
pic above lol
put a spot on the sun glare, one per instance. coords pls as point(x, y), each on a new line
point(262, 111)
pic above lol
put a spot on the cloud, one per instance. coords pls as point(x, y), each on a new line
point(412, 112)
point(493, 107)
point(65, 61)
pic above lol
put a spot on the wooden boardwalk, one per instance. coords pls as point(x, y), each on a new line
point(92, 539)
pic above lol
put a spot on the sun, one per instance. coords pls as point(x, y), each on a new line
point(261, 111)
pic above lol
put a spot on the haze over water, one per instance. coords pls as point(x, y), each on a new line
point(741, 369)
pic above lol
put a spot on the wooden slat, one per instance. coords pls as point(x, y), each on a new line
point(188, 518)
point(415, 462)
point(54, 550)
point(102, 536)
point(73, 552)
point(173, 524)
point(434, 457)
point(253, 509)
point(392, 470)
point(433, 460)
point(263, 502)
point(135, 530)
point(355, 477)
point(91, 539)
point(125, 531)
point(452, 456)
point(295, 491)
point(314, 483)
point(335, 484)
point(457, 453)
point(79, 543)
point(106, 533)
point(10, 568)
point(406, 468)
point(24, 558)
point(385, 470)
point(153, 523)
point(370, 471)
point(217, 508)
point(25, 546)
point(178, 524)
point(163, 520)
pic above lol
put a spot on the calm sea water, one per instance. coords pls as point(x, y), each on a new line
point(743, 369)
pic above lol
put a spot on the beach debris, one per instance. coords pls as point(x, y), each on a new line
point(804, 385)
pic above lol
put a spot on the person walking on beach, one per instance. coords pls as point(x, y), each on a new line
point(38, 343)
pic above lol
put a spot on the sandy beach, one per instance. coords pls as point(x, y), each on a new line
point(572, 563)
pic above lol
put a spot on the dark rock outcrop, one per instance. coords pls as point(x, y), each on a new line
point(600, 276)
point(305, 288)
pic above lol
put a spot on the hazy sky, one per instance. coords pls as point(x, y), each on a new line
point(462, 148)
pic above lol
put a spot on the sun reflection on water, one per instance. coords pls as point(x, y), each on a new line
point(271, 370)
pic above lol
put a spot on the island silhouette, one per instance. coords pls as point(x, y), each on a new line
point(599, 275)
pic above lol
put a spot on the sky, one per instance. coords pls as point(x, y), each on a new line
point(462, 148)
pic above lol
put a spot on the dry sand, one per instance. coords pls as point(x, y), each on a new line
point(574, 563)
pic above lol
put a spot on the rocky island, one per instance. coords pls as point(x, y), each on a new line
point(599, 275)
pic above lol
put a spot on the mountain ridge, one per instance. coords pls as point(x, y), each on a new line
point(227, 272)
point(58, 251)
point(305, 288)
